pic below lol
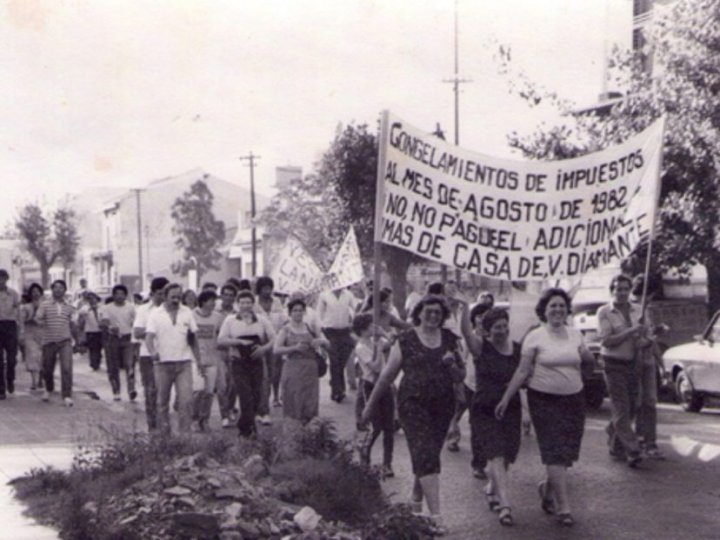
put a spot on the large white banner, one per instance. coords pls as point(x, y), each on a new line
point(515, 220)
point(295, 270)
point(347, 267)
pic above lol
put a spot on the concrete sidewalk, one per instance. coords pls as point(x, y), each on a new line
point(35, 434)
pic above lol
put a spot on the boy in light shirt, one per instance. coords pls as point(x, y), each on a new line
point(370, 358)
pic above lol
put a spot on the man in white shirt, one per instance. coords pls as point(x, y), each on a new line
point(145, 360)
point(336, 312)
point(118, 317)
point(170, 338)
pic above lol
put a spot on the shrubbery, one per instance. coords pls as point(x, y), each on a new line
point(308, 466)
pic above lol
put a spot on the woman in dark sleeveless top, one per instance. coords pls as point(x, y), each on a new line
point(498, 440)
point(428, 356)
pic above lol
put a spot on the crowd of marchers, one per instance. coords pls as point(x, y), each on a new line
point(250, 350)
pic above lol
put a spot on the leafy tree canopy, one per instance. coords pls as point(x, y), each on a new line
point(341, 192)
point(198, 234)
point(48, 237)
point(684, 86)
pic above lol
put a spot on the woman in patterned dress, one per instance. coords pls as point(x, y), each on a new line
point(299, 381)
point(428, 356)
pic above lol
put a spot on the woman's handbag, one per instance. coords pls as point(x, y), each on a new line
point(321, 363)
point(320, 359)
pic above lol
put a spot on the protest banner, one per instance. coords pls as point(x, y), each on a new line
point(510, 219)
point(294, 269)
point(347, 267)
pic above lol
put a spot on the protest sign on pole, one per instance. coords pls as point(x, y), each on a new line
point(294, 269)
point(347, 267)
point(516, 220)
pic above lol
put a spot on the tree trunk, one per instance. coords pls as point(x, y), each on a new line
point(712, 264)
point(44, 275)
point(397, 263)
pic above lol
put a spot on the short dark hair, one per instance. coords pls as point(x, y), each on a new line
point(119, 287)
point(262, 282)
point(243, 285)
point(59, 282)
point(492, 316)
point(617, 279)
point(246, 294)
point(436, 288)
point(384, 295)
point(296, 302)
point(545, 300)
point(4, 273)
point(427, 300)
point(229, 287)
point(205, 296)
point(158, 284)
point(209, 285)
point(361, 323)
point(478, 311)
point(170, 286)
point(35, 286)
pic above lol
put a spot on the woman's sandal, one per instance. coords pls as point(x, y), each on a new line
point(546, 502)
point(493, 503)
point(565, 519)
point(505, 517)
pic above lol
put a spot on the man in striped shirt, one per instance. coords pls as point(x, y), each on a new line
point(55, 315)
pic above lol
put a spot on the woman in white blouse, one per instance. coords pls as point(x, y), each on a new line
point(551, 361)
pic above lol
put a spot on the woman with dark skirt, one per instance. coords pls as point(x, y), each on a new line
point(431, 364)
point(552, 357)
point(495, 440)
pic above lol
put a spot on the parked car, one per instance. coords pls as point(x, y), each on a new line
point(694, 368)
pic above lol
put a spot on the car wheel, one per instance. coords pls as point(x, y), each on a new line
point(690, 400)
point(594, 396)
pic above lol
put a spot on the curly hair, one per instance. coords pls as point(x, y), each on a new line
point(492, 316)
point(427, 300)
point(545, 298)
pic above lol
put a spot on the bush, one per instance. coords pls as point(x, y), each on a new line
point(399, 523)
point(325, 477)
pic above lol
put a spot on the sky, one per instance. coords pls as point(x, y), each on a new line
point(116, 93)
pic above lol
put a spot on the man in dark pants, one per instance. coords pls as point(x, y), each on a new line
point(248, 338)
point(145, 360)
point(622, 338)
point(336, 312)
point(9, 317)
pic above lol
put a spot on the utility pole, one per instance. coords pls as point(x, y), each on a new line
point(250, 158)
point(139, 237)
point(456, 81)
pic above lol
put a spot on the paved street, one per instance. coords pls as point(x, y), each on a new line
point(675, 498)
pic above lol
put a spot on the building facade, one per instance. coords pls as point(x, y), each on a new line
point(137, 242)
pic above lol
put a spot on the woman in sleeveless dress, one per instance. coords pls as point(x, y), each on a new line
point(300, 386)
point(428, 356)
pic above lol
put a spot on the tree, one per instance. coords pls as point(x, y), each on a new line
point(198, 234)
point(685, 88)
point(341, 192)
point(49, 239)
point(310, 209)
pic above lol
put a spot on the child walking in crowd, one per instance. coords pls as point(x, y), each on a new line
point(370, 358)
